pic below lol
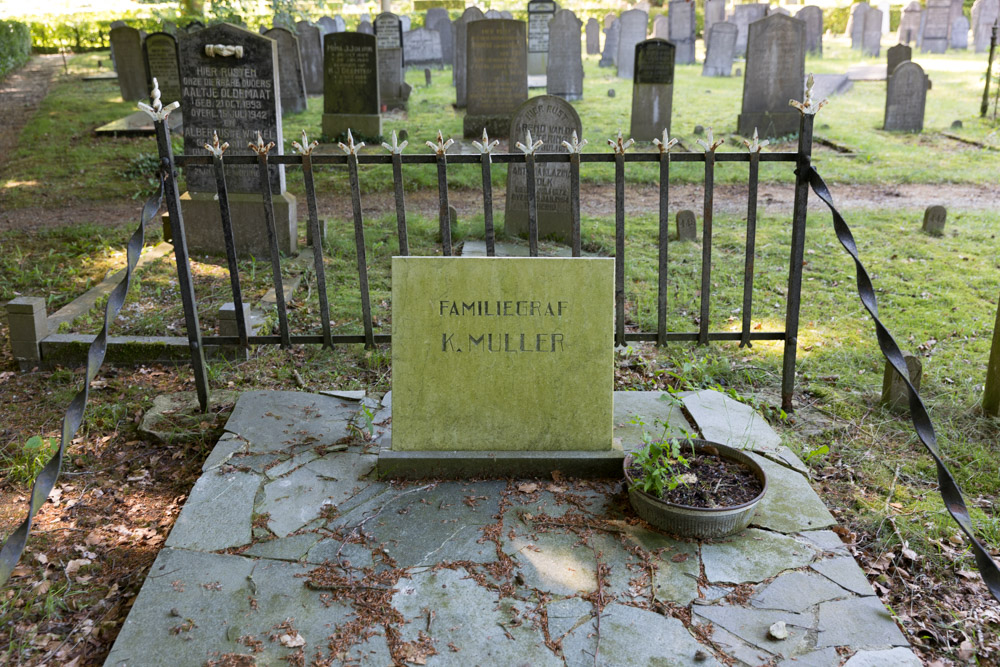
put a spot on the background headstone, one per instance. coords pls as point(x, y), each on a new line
point(497, 75)
point(327, 25)
point(661, 27)
point(609, 19)
point(291, 84)
point(721, 48)
point(634, 24)
point(813, 18)
point(687, 225)
point(552, 121)
point(715, 12)
point(906, 96)
point(540, 12)
point(593, 36)
point(960, 33)
point(366, 27)
point(778, 10)
point(350, 85)
point(612, 35)
point(422, 47)
point(934, 219)
point(493, 14)
point(506, 14)
point(900, 53)
point(392, 86)
point(652, 89)
point(872, 33)
point(682, 26)
point(404, 21)
point(162, 64)
point(985, 14)
point(442, 23)
point(742, 17)
point(775, 74)
point(934, 37)
point(564, 72)
point(470, 15)
point(311, 54)
point(909, 23)
point(126, 43)
point(856, 25)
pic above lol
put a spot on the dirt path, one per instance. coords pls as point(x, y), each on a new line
point(20, 94)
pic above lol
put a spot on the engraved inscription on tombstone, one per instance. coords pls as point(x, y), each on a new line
point(540, 12)
point(775, 74)
point(161, 64)
point(934, 219)
point(350, 86)
point(421, 47)
point(652, 89)
point(906, 96)
point(393, 89)
point(564, 73)
point(687, 226)
point(721, 48)
point(497, 75)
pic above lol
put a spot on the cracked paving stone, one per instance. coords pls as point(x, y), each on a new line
point(457, 613)
point(751, 625)
point(753, 556)
point(288, 465)
point(597, 504)
point(218, 513)
point(292, 548)
point(650, 407)
point(555, 562)
point(346, 394)
point(566, 614)
point(677, 569)
point(827, 540)
point(736, 648)
point(862, 623)
point(796, 592)
point(844, 571)
point(790, 504)
point(194, 606)
point(632, 636)
point(827, 657)
point(271, 420)
point(225, 449)
point(293, 501)
point(897, 657)
point(335, 551)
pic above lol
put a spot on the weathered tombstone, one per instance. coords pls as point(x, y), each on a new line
point(895, 395)
point(721, 48)
point(934, 37)
point(564, 72)
point(427, 76)
point(422, 47)
point(900, 53)
point(812, 16)
point(593, 36)
point(856, 25)
point(350, 86)
point(311, 54)
point(327, 25)
point(742, 17)
point(442, 24)
point(497, 75)
point(291, 84)
point(687, 225)
point(460, 70)
point(540, 12)
point(365, 27)
point(905, 98)
point(872, 35)
point(682, 25)
point(652, 89)
point(612, 35)
point(127, 45)
point(775, 74)
point(433, 15)
point(194, 26)
point(715, 12)
point(957, 7)
point(909, 23)
point(609, 19)
point(985, 14)
point(404, 21)
point(634, 24)
point(934, 219)
point(392, 86)
point(161, 63)
point(506, 15)
point(960, 33)
point(661, 27)
point(229, 84)
point(778, 10)
point(552, 121)
point(493, 14)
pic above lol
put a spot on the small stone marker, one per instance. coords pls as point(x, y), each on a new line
point(427, 76)
point(564, 71)
point(612, 35)
point(856, 25)
point(687, 226)
point(126, 44)
point(350, 87)
point(311, 54)
point(934, 219)
point(960, 33)
point(909, 23)
point(593, 36)
point(742, 17)
point(775, 74)
point(634, 24)
point(715, 12)
point(422, 47)
point(721, 48)
point(652, 89)
point(900, 53)
point(497, 76)
point(553, 121)
point(905, 98)
point(162, 64)
point(392, 86)
point(682, 26)
point(460, 71)
point(813, 18)
point(291, 82)
point(872, 33)
point(519, 348)
point(936, 24)
point(894, 392)
point(540, 12)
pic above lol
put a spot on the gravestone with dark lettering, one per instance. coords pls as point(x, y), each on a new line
point(682, 25)
point(460, 71)
point(909, 23)
point(440, 22)
point(715, 12)
point(365, 27)
point(775, 74)
point(612, 35)
point(229, 84)
point(856, 25)
point(593, 36)
point(552, 121)
point(497, 75)
point(721, 48)
point(127, 45)
point(652, 89)
point(934, 219)
point(422, 47)
point(634, 24)
point(905, 98)
point(742, 17)
point(540, 12)
point(687, 226)
point(291, 83)
point(350, 86)
point(161, 63)
point(812, 16)
point(872, 35)
point(985, 14)
point(564, 72)
point(311, 54)
point(934, 37)
point(960, 33)
point(900, 53)
point(392, 86)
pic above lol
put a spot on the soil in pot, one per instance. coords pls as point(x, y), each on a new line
point(716, 482)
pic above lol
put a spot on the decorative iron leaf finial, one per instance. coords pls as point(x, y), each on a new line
point(350, 148)
point(574, 145)
point(487, 146)
point(260, 148)
point(619, 145)
point(396, 148)
point(530, 146)
point(666, 143)
point(441, 147)
point(305, 148)
point(156, 110)
point(710, 143)
point(755, 144)
point(215, 148)
point(808, 106)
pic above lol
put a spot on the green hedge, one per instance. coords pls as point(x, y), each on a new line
point(83, 32)
point(15, 46)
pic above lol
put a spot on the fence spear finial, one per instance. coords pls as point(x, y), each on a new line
point(215, 148)
point(755, 144)
point(487, 146)
point(574, 145)
point(156, 110)
point(305, 148)
point(260, 148)
point(350, 148)
point(666, 143)
point(396, 148)
point(808, 106)
point(530, 147)
point(441, 147)
point(710, 143)
point(619, 145)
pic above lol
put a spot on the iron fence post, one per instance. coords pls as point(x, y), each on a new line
point(486, 164)
point(262, 149)
point(359, 236)
point(217, 150)
point(305, 149)
point(664, 145)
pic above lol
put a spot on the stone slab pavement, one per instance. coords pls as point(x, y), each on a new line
point(288, 549)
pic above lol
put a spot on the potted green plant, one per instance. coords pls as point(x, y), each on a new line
point(694, 488)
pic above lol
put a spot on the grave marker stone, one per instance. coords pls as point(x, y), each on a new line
point(742, 17)
point(311, 54)
point(909, 23)
point(884, 7)
point(460, 70)
point(960, 33)
point(661, 27)
point(161, 63)
point(682, 25)
point(493, 14)
point(687, 225)
point(985, 14)
point(652, 89)
point(856, 25)
point(609, 19)
point(327, 25)
point(365, 27)
point(350, 85)
point(715, 12)
point(497, 75)
point(229, 84)
point(433, 15)
point(778, 10)
point(126, 43)
point(540, 12)
point(634, 24)
point(291, 83)
point(812, 16)
point(934, 219)
point(404, 21)
point(506, 15)
point(553, 121)
point(872, 35)
point(934, 38)
point(721, 48)
point(442, 24)
point(392, 86)
point(612, 35)
point(956, 11)
point(900, 53)
point(564, 73)
point(593, 36)
point(906, 96)
point(422, 47)
point(775, 74)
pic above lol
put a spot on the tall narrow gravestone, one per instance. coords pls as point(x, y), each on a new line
point(934, 38)
point(460, 72)
point(497, 75)
point(291, 82)
point(540, 12)
point(872, 34)
point(593, 36)
point(350, 86)
point(652, 89)
point(311, 54)
point(742, 17)
point(682, 24)
point(856, 25)
point(661, 27)
point(905, 98)
point(612, 35)
point(392, 86)
point(552, 121)
point(721, 47)
point(229, 84)
point(959, 33)
point(775, 74)
point(126, 44)
point(441, 23)
point(715, 12)
point(909, 23)
point(634, 24)
point(161, 64)
point(985, 14)
point(564, 71)
point(812, 16)
point(900, 53)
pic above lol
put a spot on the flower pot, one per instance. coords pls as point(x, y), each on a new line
point(698, 522)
